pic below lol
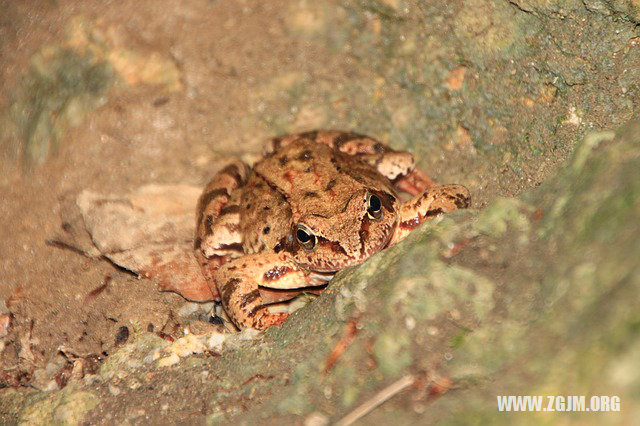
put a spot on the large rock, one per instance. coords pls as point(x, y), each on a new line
point(531, 296)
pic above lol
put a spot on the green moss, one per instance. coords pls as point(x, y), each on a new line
point(137, 350)
point(392, 353)
point(67, 407)
point(296, 403)
point(61, 86)
point(503, 213)
point(493, 29)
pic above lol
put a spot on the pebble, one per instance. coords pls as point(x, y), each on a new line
point(216, 341)
point(114, 390)
point(133, 364)
point(169, 360)
point(316, 419)
point(122, 335)
point(188, 309)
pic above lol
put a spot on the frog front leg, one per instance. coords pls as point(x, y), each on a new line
point(238, 282)
point(432, 202)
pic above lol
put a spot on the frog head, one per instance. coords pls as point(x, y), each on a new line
point(360, 229)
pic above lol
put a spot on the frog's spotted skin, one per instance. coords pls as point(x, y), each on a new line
point(316, 203)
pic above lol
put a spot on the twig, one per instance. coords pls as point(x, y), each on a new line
point(349, 333)
point(379, 398)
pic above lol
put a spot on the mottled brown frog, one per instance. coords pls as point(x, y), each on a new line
point(316, 203)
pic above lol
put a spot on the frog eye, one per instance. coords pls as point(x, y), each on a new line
point(305, 237)
point(374, 206)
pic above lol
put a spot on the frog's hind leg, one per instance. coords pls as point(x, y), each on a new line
point(217, 219)
point(239, 280)
point(397, 166)
point(348, 142)
point(415, 182)
point(432, 202)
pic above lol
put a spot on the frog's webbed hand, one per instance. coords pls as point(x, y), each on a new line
point(239, 279)
point(432, 202)
point(217, 219)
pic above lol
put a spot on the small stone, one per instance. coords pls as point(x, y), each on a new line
point(395, 4)
point(122, 335)
point(215, 341)
point(137, 413)
point(133, 364)
point(151, 356)
point(114, 390)
point(248, 334)
point(90, 379)
point(52, 386)
point(188, 309)
point(73, 408)
point(316, 419)
point(203, 327)
point(410, 322)
point(187, 345)
point(5, 324)
point(169, 360)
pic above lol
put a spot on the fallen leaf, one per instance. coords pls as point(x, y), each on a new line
point(456, 78)
point(5, 324)
point(148, 231)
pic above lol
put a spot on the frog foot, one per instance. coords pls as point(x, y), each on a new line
point(264, 319)
point(431, 203)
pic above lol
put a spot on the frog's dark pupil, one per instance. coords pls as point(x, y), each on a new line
point(303, 237)
point(374, 204)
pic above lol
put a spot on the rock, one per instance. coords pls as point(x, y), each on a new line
point(114, 390)
point(168, 361)
point(484, 317)
point(67, 407)
point(148, 231)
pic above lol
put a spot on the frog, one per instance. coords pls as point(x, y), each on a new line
point(313, 204)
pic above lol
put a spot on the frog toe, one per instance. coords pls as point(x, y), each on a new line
point(264, 319)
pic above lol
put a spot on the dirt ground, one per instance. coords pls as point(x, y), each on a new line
point(133, 139)
point(226, 78)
